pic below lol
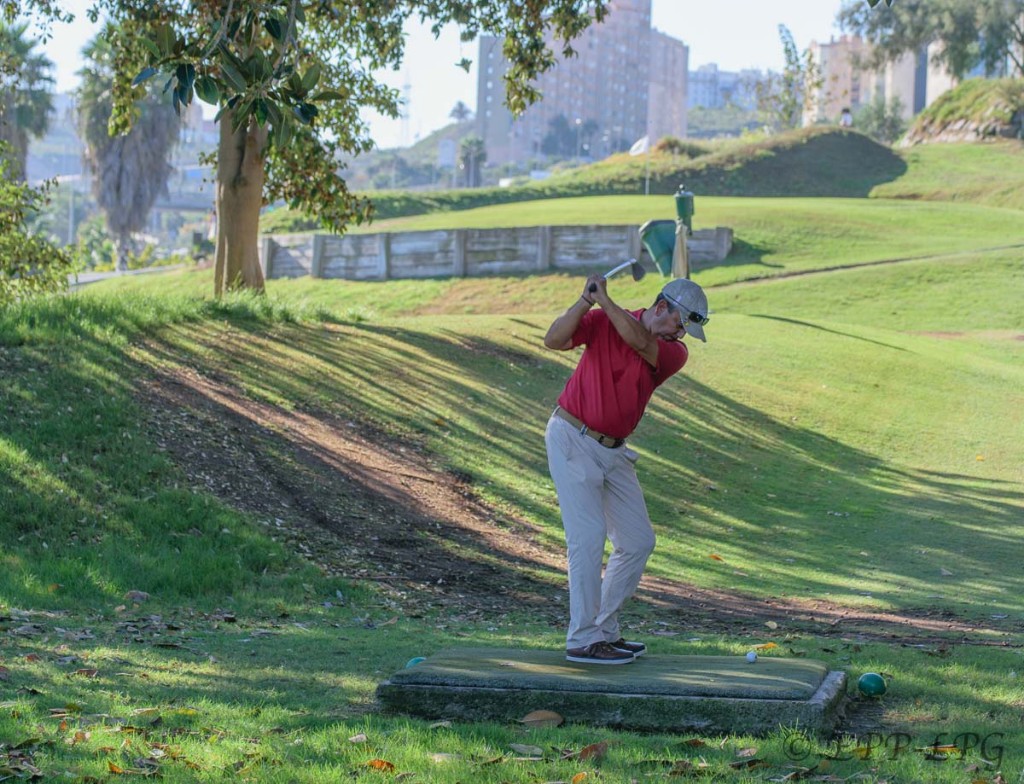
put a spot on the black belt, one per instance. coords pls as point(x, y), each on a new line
point(603, 440)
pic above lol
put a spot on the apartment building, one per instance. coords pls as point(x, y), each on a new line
point(841, 75)
point(914, 79)
point(711, 88)
point(626, 81)
point(667, 87)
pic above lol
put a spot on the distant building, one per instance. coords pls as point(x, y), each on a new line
point(59, 152)
point(710, 88)
point(839, 68)
point(913, 79)
point(667, 87)
point(605, 93)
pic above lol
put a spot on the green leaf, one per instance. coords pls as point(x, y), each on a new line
point(311, 77)
point(207, 90)
point(260, 112)
point(465, 63)
point(233, 76)
point(165, 39)
point(273, 26)
point(283, 132)
point(183, 92)
point(186, 75)
point(151, 47)
point(273, 112)
point(144, 74)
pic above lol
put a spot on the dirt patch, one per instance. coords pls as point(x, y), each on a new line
point(365, 505)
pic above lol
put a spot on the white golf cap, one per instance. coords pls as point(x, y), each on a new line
point(687, 296)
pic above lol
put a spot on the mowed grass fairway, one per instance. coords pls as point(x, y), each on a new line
point(837, 471)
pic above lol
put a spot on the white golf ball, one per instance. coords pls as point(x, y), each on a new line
point(751, 657)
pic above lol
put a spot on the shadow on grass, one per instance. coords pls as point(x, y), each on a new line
point(742, 254)
point(261, 417)
point(800, 323)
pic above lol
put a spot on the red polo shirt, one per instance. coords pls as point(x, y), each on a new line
point(611, 385)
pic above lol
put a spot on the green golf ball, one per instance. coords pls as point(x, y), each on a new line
point(871, 684)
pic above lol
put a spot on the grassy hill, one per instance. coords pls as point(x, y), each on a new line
point(805, 163)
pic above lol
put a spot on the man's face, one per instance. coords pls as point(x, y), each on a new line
point(668, 324)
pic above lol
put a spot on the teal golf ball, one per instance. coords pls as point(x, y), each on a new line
point(871, 684)
point(414, 661)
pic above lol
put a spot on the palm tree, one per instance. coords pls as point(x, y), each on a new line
point(130, 171)
point(460, 112)
point(25, 98)
point(472, 155)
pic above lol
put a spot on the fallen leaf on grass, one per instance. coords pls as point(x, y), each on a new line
point(744, 753)
point(695, 742)
point(767, 646)
point(439, 758)
point(360, 738)
point(530, 751)
point(79, 737)
point(379, 764)
point(86, 673)
point(493, 760)
point(716, 557)
point(771, 624)
point(578, 778)
point(594, 751)
point(542, 718)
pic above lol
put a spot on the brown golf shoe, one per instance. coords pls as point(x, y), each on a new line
point(598, 653)
point(635, 648)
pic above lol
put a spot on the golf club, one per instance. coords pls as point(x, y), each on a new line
point(635, 268)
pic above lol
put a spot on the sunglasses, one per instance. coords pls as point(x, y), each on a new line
point(688, 315)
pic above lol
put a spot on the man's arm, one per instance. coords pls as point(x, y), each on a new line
point(636, 335)
point(562, 329)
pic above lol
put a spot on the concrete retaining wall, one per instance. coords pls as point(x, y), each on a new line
point(467, 252)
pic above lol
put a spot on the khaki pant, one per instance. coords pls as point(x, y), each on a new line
point(600, 498)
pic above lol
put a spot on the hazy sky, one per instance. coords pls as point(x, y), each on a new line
point(735, 34)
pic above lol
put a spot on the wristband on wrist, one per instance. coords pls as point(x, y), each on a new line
point(588, 301)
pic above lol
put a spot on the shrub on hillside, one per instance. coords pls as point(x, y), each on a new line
point(29, 263)
point(670, 145)
point(973, 110)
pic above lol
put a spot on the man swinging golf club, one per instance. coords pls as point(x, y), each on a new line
point(627, 355)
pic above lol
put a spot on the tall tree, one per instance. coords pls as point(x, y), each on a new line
point(26, 97)
point(988, 33)
point(460, 112)
point(130, 169)
point(472, 155)
point(290, 78)
point(783, 98)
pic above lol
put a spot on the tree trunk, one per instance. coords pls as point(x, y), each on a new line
point(240, 173)
point(123, 245)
